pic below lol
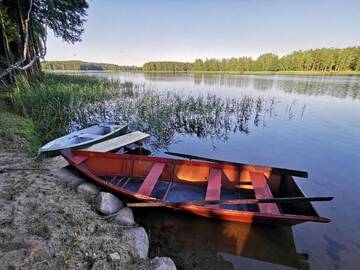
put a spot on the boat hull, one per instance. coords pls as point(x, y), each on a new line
point(92, 165)
point(54, 152)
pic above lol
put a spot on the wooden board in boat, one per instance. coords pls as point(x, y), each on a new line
point(118, 142)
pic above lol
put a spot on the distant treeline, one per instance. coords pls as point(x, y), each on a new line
point(167, 66)
point(327, 59)
point(81, 65)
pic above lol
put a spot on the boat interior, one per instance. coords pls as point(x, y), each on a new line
point(177, 180)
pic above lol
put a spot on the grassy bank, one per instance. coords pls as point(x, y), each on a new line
point(51, 101)
point(16, 132)
point(35, 112)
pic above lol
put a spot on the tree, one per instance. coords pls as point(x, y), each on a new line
point(267, 62)
point(24, 26)
point(198, 65)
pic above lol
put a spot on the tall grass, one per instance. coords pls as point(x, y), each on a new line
point(60, 103)
point(51, 101)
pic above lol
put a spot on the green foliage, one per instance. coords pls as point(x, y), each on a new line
point(267, 62)
point(19, 131)
point(52, 100)
point(23, 25)
point(167, 66)
point(318, 60)
point(65, 17)
point(198, 65)
point(81, 65)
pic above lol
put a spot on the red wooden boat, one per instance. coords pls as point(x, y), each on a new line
point(165, 181)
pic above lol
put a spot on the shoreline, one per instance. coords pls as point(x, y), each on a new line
point(295, 73)
point(290, 73)
point(51, 219)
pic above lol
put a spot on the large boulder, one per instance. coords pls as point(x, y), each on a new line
point(108, 204)
point(88, 189)
point(162, 263)
point(138, 241)
point(125, 217)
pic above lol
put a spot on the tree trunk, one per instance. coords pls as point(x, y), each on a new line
point(27, 50)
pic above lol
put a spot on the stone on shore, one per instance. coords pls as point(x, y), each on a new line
point(67, 176)
point(6, 213)
point(108, 204)
point(138, 241)
point(162, 263)
point(125, 217)
point(114, 257)
point(88, 189)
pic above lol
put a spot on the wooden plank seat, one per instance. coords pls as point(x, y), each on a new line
point(151, 179)
point(118, 142)
point(262, 191)
point(213, 190)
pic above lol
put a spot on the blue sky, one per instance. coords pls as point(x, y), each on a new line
point(132, 32)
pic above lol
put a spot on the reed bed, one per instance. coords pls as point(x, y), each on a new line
point(164, 115)
point(58, 104)
point(51, 101)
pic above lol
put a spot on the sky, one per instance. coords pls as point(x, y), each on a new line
point(132, 32)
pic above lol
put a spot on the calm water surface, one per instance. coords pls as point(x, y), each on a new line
point(305, 122)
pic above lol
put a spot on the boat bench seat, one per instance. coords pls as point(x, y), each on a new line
point(213, 190)
point(151, 179)
point(262, 191)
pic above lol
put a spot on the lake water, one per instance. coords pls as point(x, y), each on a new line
point(308, 123)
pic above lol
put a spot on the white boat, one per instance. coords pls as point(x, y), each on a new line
point(83, 138)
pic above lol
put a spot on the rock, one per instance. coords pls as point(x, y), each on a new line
point(6, 213)
point(162, 263)
point(67, 176)
point(125, 217)
point(108, 204)
point(88, 189)
point(120, 257)
point(114, 257)
point(138, 241)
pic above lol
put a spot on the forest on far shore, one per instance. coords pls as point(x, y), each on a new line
point(83, 66)
point(326, 59)
point(316, 60)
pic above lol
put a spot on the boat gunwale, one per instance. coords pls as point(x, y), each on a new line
point(213, 212)
point(175, 161)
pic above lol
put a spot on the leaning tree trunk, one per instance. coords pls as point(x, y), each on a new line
point(27, 52)
point(5, 50)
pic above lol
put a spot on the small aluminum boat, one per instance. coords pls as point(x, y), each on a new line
point(83, 138)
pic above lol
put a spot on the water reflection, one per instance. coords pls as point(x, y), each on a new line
point(166, 116)
point(341, 87)
point(208, 244)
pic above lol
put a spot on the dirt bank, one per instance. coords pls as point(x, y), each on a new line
point(45, 224)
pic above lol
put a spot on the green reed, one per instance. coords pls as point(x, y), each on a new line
point(164, 114)
point(51, 101)
point(61, 103)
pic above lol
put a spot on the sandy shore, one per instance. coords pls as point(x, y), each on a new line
point(45, 224)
